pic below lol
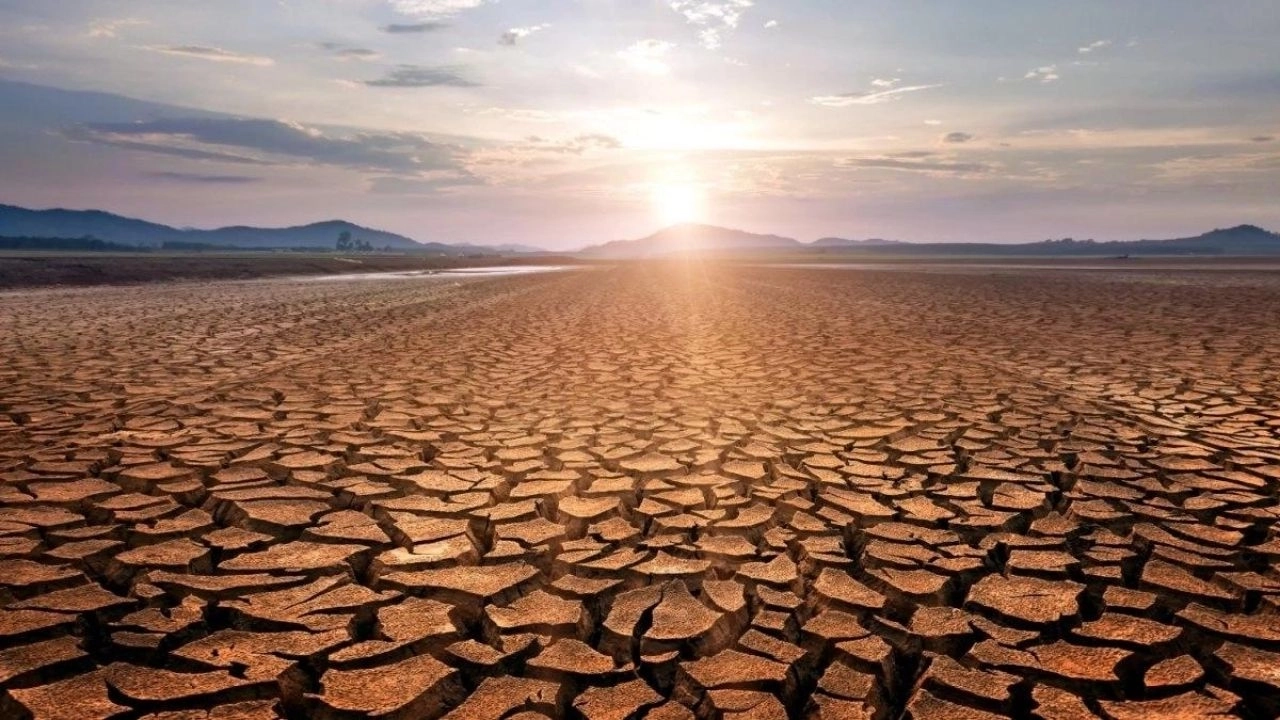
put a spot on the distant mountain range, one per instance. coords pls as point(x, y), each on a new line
point(109, 231)
point(118, 230)
point(1239, 240)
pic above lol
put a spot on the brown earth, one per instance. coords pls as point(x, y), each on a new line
point(651, 491)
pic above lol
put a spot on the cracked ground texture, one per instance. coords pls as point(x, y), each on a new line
point(650, 491)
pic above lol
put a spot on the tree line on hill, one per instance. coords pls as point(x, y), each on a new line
point(346, 243)
point(88, 243)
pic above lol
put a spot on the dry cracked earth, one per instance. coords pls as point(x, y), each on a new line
point(651, 491)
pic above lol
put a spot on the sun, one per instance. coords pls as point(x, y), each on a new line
point(677, 203)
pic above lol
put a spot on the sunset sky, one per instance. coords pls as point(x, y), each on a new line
point(563, 123)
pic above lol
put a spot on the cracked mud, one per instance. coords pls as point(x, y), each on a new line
point(652, 491)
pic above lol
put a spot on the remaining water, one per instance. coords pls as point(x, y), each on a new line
point(428, 274)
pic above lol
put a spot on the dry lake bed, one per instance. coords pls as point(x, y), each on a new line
point(653, 491)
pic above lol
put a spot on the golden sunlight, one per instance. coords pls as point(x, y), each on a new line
point(677, 203)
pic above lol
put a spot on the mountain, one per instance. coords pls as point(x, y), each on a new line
point(835, 242)
point(690, 238)
point(58, 223)
point(21, 222)
point(320, 234)
point(1239, 240)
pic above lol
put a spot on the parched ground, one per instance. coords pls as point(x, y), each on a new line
point(652, 491)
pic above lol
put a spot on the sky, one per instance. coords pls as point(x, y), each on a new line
point(564, 123)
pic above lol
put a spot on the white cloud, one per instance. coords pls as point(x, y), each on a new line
point(434, 8)
point(518, 114)
point(709, 38)
point(868, 97)
point(932, 123)
point(515, 35)
point(771, 24)
point(1204, 168)
point(1096, 45)
point(1046, 74)
point(885, 82)
point(211, 53)
point(714, 17)
point(112, 28)
point(647, 56)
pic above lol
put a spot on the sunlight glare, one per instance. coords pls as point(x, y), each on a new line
point(677, 203)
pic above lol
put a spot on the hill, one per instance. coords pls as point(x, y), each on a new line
point(320, 234)
point(1240, 240)
point(120, 230)
point(690, 238)
point(835, 242)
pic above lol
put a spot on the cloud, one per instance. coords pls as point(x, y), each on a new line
point(885, 82)
point(933, 123)
point(534, 155)
point(515, 35)
point(205, 179)
point(646, 56)
point(1261, 138)
point(417, 76)
point(575, 146)
point(428, 185)
point(519, 114)
point(413, 28)
point(868, 97)
point(112, 28)
point(598, 140)
point(83, 133)
point(434, 7)
point(271, 142)
point(1046, 74)
point(957, 137)
point(714, 17)
point(1218, 167)
point(346, 52)
point(25, 66)
point(211, 53)
point(914, 162)
point(1096, 45)
point(771, 24)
